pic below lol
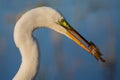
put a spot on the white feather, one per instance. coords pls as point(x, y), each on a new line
point(35, 18)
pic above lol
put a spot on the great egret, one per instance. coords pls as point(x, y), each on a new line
point(37, 18)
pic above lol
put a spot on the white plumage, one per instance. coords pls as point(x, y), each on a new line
point(31, 20)
point(35, 18)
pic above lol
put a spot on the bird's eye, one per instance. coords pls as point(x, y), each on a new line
point(64, 23)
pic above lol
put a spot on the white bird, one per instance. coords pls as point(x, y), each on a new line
point(24, 40)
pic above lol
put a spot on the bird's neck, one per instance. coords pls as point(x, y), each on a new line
point(29, 65)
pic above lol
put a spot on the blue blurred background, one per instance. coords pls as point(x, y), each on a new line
point(61, 58)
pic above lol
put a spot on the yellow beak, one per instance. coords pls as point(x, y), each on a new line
point(88, 46)
point(74, 36)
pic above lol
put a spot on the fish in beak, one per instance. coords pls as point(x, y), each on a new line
point(90, 47)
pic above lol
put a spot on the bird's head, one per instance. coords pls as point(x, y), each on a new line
point(63, 27)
